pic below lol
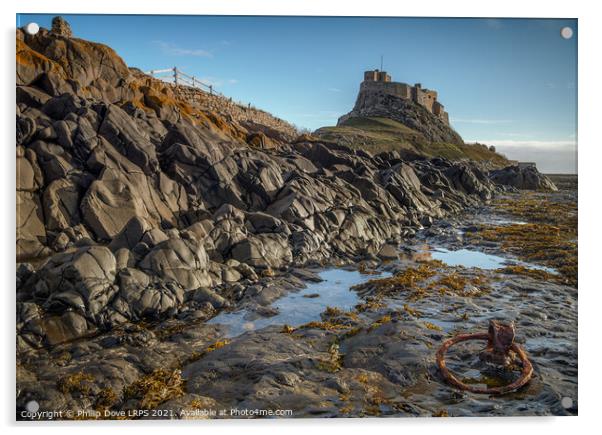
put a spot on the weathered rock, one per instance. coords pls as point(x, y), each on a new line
point(130, 235)
point(141, 296)
point(522, 177)
point(263, 250)
point(204, 294)
point(82, 280)
point(60, 27)
point(61, 204)
point(184, 262)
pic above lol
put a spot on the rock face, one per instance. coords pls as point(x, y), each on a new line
point(60, 27)
point(524, 178)
point(373, 102)
point(130, 200)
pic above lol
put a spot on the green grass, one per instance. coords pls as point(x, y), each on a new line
point(383, 134)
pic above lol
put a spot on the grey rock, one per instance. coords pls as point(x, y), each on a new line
point(524, 178)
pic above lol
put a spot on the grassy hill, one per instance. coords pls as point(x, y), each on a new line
point(383, 134)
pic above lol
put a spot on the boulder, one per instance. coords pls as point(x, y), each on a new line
point(82, 280)
point(31, 232)
point(263, 251)
point(522, 177)
point(204, 294)
point(142, 296)
point(109, 204)
point(61, 201)
point(184, 262)
point(130, 235)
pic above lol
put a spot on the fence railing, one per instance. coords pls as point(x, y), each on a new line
point(178, 77)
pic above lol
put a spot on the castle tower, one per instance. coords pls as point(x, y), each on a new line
point(377, 76)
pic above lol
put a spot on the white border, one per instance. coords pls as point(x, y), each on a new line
point(590, 141)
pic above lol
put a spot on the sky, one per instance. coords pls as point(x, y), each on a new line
point(511, 83)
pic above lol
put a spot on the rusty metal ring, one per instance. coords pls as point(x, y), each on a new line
point(525, 377)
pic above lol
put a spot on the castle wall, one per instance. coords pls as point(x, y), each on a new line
point(371, 76)
point(379, 82)
point(429, 99)
point(401, 90)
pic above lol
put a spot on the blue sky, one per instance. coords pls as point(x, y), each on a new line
point(507, 82)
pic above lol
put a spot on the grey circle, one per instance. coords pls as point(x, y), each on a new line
point(566, 402)
point(32, 406)
point(566, 32)
point(32, 28)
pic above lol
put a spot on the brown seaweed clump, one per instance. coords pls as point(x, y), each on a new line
point(550, 237)
point(155, 388)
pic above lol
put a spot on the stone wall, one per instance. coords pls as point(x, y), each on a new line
point(233, 110)
point(425, 97)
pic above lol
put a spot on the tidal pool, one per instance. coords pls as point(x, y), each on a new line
point(297, 308)
point(470, 258)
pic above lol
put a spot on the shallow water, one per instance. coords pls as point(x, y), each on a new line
point(470, 258)
point(297, 308)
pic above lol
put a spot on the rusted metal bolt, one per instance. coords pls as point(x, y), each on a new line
point(499, 344)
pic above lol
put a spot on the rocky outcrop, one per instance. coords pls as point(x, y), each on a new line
point(130, 200)
point(374, 103)
point(523, 178)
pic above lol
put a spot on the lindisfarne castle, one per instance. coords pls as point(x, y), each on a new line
point(414, 106)
point(380, 81)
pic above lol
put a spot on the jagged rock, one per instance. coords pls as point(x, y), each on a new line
point(155, 236)
point(82, 280)
point(525, 178)
point(53, 159)
point(263, 250)
point(56, 329)
point(125, 135)
point(31, 96)
point(61, 201)
point(124, 258)
point(109, 204)
point(388, 252)
point(108, 156)
point(204, 294)
point(28, 174)
point(184, 262)
point(60, 27)
point(130, 235)
point(141, 296)
point(31, 233)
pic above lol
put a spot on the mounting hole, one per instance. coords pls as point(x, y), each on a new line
point(32, 406)
point(566, 402)
point(32, 28)
point(566, 32)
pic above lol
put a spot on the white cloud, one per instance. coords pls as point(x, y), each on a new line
point(553, 156)
point(549, 145)
point(334, 89)
point(174, 50)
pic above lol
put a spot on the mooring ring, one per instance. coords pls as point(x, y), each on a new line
point(525, 377)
